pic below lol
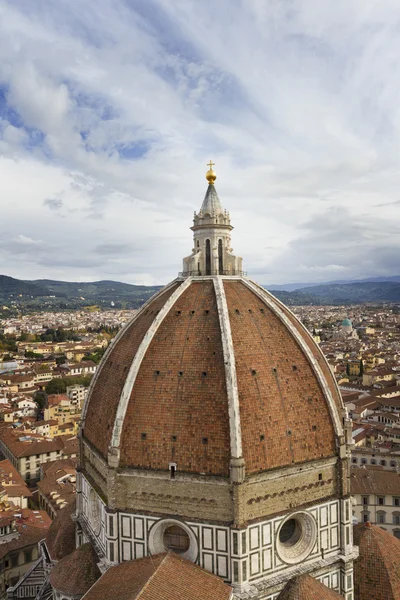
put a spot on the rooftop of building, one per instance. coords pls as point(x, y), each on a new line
point(22, 443)
point(369, 480)
point(377, 570)
point(287, 399)
point(305, 587)
point(165, 576)
point(60, 538)
point(11, 480)
point(59, 483)
point(76, 573)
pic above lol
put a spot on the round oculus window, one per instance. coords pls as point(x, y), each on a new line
point(176, 539)
point(296, 538)
point(290, 533)
point(171, 535)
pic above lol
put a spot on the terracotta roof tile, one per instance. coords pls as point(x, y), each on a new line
point(108, 385)
point(178, 408)
point(76, 573)
point(160, 577)
point(172, 402)
point(306, 587)
point(28, 536)
point(60, 539)
point(377, 570)
point(284, 415)
point(367, 480)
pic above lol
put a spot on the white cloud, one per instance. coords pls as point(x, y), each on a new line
point(111, 109)
point(23, 239)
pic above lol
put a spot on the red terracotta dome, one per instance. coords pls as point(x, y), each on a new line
point(306, 587)
point(210, 370)
point(377, 570)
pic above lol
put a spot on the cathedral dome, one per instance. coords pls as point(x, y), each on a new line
point(213, 370)
point(347, 323)
point(214, 429)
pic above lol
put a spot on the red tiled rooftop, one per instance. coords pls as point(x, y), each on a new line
point(159, 577)
point(377, 570)
point(306, 587)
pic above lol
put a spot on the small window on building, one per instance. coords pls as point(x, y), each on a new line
point(373, 461)
point(363, 461)
point(235, 543)
point(381, 500)
point(392, 463)
point(383, 463)
point(172, 470)
point(365, 500)
point(28, 556)
point(14, 560)
point(396, 533)
point(111, 526)
point(396, 501)
point(396, 519)
point(365, 517)
point(354, 461)
point(381, 516)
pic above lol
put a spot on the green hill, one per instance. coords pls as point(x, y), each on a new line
point(49, 294)
point(52, 295)
point(355, 293)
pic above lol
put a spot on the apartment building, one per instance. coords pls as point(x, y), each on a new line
point(376, 497)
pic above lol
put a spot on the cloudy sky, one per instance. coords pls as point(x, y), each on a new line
point(110, 110)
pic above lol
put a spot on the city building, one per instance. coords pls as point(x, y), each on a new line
point(376, 497)
point(20, 532)
point(13, 489)
point(61, 408)
point(27, 451)
point(57, 485)
point(77, 393)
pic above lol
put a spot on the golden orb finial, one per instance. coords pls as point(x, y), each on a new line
point(211, 176)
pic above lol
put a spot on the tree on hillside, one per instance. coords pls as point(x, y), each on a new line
point(60, 360)
point(56, 386)
point(96, 355)
point(29, 354)
point(41, 399)
point(59, 386)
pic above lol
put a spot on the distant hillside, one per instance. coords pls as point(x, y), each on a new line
point(295, 298)
point(46, 293)
point(10, 286)
point(290, 287)
point(355, 293)
point(96, 290)
point(55, 295)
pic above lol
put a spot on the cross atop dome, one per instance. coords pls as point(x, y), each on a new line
point(211, 176)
